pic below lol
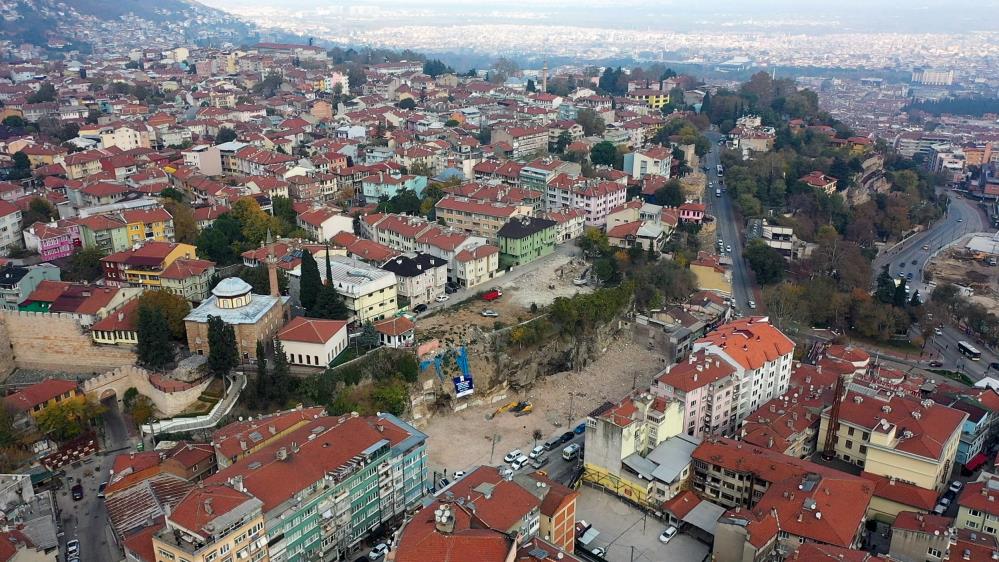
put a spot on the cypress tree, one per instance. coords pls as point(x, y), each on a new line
point(310, 281)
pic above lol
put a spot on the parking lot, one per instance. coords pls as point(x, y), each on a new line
point(629, 535)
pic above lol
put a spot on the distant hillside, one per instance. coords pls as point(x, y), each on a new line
point(45, 22)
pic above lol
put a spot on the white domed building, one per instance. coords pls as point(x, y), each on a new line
point(253, 317)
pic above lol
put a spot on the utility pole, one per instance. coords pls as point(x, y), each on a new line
point(495, 439)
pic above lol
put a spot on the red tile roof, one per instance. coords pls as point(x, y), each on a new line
point(828, 508)
point(40, 393)
point(395, 326)
point(751, 342)
point(227, 439)
point(681, 504)
point(982, 496)
point(504, 505)
point(922, 522)
point(901, 492)
point(184, 268)
point(311, 330)
point(700, 369)
point(204, 504)
point(471, 540)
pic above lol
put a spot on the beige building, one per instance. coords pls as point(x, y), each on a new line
point(897, 436)
point(213, 522)
point(480, 218)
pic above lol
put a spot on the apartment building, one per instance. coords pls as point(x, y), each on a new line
point(369, 293)
point(978, 508)
point(538, 173)
point(103, 232)
point(655, 161)
point(569, 223)
point(731, 371)
point(381, 185)
point(620, 440)
point(325, 485)
point(10, 227)
point(145, 265)
point(524, 141)
point(479, 218)
point(213, 522)
point(914, 441)
point(144, 225)
point(525, 239)
point(17, 282)
point(189, 278)
point(475, 266)
point(596, 198)
point(421, 278)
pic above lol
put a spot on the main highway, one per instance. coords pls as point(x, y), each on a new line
point(727, 228)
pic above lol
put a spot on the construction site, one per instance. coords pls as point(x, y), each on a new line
point(972, 265)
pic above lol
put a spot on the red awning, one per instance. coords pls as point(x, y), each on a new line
point(976, 461)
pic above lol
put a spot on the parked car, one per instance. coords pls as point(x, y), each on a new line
point(567, 436)
point(492, 295)
point(537, 451)
point(512, 455)
point(490, 313)
point(937, 331)
point(378, 551)
point(926, 246)
point(580, 429)
point(520, 463)
point(908, 275)
point(914, 262)
point(420, 308)
point(539, 462)
point(994, 365)
point(668, 534)
point(960, 220)
point(100, 489)
point(458, 474)
point(72, 548)
point(752, 304)
point(442, 298)
point(945, 501)
point(571, 452)
point(599, 551)
point(505, 472)
point(77, 492)
point(939, 509)
point(450, 289)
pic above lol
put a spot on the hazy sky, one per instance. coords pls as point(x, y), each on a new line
point(812, 16)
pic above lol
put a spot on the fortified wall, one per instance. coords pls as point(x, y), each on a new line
point(54, 342)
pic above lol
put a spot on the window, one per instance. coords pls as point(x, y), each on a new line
point(933, 552)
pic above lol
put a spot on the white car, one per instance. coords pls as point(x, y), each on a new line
point(752, 304)
point(490, 313)
point(938, 332)
point(72, 548)
point(956, 486)
point(599, 551)
point(378, 551)
point(537, 451)
point(512, 455)
point(668, 534)
point(442, 298)
point(520, 463)
point(728, 248)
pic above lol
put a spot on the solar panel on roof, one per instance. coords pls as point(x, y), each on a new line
point(538, 553)
point(256, 436)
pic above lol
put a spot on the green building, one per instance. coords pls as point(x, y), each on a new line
point(326, 485)
point(106, 233)
point(525, 239)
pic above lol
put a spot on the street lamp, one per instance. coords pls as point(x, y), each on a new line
point(571, 396)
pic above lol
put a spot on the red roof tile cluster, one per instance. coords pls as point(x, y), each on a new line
point(226, 440)
point(395, 326)
point(40, 393)
point(922, 522)
point(981, 496)
point(203, 505)
point(311, 330)
point(700, 369)
point(901, 492)
point(752, 342)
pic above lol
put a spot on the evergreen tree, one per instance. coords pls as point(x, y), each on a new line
point(900, 296)
point(154, 349)
point(223, 355)
point(260, 391)
point(885, 291)
point(329, 266)
point(369, 336)
point(329, 305)
point(914, 301)
point(531, 88)
point(310, 283)
point(278, 383)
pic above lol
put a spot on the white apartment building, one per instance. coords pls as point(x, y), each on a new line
point(595, 198)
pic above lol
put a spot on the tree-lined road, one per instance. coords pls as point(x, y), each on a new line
point(727, 227)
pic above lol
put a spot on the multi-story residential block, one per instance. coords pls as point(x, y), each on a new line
point(477, 217)
point(646, 235)
point(53, 240)
point(917, 536)
point(420, 278)
point(382, 185)
point(146, 225)
point(652, 98)
point(539, 173)
point(620, 441)
point(654, 161)
point(213, 522)
point(86, 303)
point(914, 441)
point(369, 293)
point(569, 223)
point(238, 440)
point(820, 181)
point(324, 223)
point(17, 282)
point(206, 159)
point(103, 232)
point(524, 141)
point(189, 278)
point(475, 266)
point(328, 483)
point(145, 265)
point(596, 198)
point(731, 371)
point(10, 227)
point(525, 239)
point(313, 342)
point(977, 506)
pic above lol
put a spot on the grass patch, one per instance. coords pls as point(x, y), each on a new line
point(954, 376)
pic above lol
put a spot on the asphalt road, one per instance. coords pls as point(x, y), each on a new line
point(963, 217)
point(727, 227)
point(86, 519)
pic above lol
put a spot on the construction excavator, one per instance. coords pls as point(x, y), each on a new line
point(519, 408)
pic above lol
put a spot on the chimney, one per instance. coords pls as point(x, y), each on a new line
point(237, 482)
point(208, 506)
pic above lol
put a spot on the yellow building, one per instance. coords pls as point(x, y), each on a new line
point(213, 522)
point(978, 506)
point(629, 441)
point(145, 225)
point(37, 397)
point(144, 266)
point(900, 437)
point(656, 99)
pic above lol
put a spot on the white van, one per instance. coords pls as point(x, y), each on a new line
point(571, 452)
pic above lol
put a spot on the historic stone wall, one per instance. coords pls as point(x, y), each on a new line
point(119, 380)
point(54, 342)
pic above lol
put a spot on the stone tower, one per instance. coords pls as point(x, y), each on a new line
point(272, 277)
point(544, 77)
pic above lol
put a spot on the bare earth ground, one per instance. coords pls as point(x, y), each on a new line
point(954, 266)
point(461, 440)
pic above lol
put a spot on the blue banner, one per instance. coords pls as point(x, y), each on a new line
point(463, 385)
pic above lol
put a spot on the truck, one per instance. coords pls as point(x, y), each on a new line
point(492, 295)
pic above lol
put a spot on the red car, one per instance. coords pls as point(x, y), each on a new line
point(492, 295)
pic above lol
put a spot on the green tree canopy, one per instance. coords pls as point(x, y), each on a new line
point(603, 153)
point(154, 349)
point(766, 262)
point(223, 354)
point(310, 282)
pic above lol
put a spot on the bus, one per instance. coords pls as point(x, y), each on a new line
point(721, 171)
point(969, 350)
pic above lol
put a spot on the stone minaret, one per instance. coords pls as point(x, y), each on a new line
point(544, 77)
point(272, 277)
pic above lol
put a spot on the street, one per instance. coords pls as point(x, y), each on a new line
point(727, 227)
point(86, 519)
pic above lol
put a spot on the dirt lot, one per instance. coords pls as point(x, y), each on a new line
point(956, 266)
point(462, 439)
point(452, 325)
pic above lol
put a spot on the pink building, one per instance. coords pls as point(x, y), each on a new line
point(708, 388)
point(51, 241)
point(692, 212)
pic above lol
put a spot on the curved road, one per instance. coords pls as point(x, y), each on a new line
point(727, 228)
